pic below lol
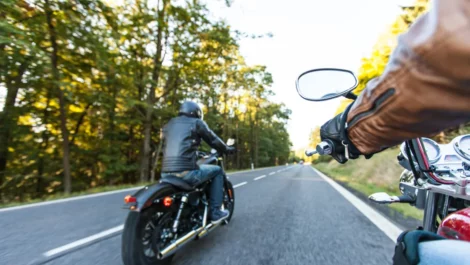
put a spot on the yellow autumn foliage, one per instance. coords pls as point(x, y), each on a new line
point(374, 65)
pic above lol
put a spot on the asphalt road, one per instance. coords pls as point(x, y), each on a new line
point(292, 216)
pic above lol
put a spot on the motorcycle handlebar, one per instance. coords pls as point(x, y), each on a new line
point(323, 148)
point(310, 153)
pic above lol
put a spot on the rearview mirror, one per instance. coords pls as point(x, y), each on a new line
point(382, 198)
point(325, 83)
point(230, 141)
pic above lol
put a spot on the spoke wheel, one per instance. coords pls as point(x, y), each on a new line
point(144, 235)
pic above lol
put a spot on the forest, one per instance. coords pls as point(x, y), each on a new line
point(89, 86)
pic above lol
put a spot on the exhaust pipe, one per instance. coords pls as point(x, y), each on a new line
point(209, 229)
point(173, 247)
point(200, 233)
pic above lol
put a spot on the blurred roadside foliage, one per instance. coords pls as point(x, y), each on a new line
point(89, 86)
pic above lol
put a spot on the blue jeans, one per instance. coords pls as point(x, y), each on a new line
point(204, 173)
point(444, 252)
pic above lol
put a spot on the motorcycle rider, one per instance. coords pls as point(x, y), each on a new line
point(182, 138)
point(425, 88)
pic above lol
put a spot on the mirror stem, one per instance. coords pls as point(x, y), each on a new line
point(350, 95)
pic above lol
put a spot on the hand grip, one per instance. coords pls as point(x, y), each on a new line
point(324, 148)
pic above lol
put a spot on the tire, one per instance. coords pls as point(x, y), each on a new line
point(229, 201)
point(133, 250)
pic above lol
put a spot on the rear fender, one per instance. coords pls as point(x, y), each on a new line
point(150, 195)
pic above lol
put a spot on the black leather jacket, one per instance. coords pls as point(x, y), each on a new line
point(182, 138)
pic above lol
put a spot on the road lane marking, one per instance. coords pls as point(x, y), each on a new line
point(98, 236)
point(68, 199)
point(105, 233)
point(83, 241)
point(240, 184)
point(391, 230)
point(260, 177)
point(248, 170)
point(96, 195)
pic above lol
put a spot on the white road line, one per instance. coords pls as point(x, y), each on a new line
point(391, 230)
point(260, 177)
point(83, 241)
point(247, 170)
point(93, 195)
point(100, 235)
point(240, 184)
point(272, 173)
point(67, 200)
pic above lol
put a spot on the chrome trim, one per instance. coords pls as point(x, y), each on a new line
point(173, 247)
point(458, 150)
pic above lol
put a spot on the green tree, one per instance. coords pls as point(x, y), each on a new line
point(90, 86)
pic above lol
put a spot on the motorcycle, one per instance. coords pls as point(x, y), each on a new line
point(436, 177)
point(167, 215)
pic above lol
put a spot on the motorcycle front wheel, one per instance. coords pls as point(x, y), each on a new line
point(144, 234)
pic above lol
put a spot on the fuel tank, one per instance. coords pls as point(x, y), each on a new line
point(456, 225)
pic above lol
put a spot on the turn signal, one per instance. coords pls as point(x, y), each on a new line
point(129, 199)
point(167, 201)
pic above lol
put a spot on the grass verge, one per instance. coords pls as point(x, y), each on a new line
point(379, 174)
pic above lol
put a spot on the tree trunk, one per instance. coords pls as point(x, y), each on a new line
point(43, 147)
point(157, 157)
point(62, 103)
point(157, 61)
point(8, 120)
point(237, 139)
point(129, 156)
point(252, 140)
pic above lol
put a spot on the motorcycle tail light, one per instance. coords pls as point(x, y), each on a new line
point(129, 199)
point(167, 201)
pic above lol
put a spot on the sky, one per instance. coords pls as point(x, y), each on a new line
point(307, 34)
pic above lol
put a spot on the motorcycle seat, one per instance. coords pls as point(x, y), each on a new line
point(177, 182)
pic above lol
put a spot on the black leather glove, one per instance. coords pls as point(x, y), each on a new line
point(231, 150)
point(331, 132)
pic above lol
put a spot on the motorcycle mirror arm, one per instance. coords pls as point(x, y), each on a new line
point(350, 95)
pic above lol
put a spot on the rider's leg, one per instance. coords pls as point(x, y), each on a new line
point(216, 191)
point(204, 173)
point(448, 252)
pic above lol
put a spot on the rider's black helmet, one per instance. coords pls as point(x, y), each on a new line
point(191, 109)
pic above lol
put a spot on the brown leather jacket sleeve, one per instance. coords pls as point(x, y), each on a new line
point(425, 87)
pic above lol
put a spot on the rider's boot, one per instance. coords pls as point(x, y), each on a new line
point(217, 215)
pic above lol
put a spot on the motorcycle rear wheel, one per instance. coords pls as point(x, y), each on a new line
point(141, 238)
